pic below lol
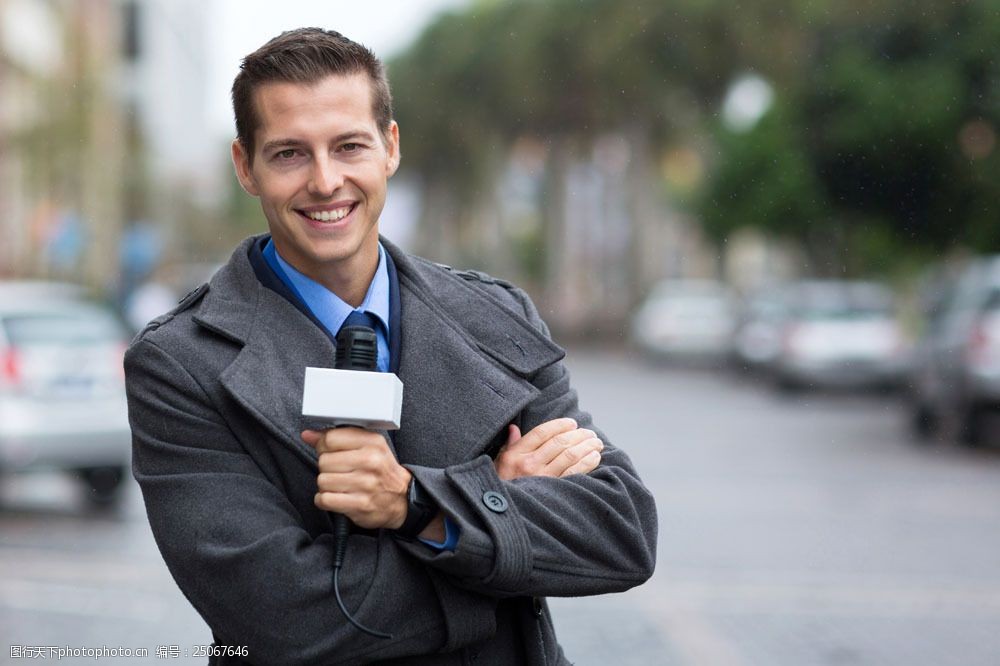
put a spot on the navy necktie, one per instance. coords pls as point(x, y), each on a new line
point(360, 318)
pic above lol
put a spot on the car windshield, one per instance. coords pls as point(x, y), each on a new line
point(697, 307)
point(86, 327)
point(992, 303)
point(846, 306)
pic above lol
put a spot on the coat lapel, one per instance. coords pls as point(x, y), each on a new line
point(266, 377)
point(455, 399)
point(458, 393)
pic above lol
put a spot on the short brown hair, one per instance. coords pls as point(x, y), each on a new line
point(306, 55)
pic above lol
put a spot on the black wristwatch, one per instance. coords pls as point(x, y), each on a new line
point(420, 511)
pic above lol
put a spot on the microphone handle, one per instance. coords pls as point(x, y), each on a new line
point(341, 530)
point(356, 350)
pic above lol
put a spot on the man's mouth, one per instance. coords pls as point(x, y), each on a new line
point(332, 215)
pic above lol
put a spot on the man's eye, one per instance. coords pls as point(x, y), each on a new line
point(350, 147)
point(286, 154)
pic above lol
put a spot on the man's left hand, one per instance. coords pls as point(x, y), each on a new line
point(359, 477)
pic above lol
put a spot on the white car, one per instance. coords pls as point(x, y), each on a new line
point(687, 320)
point(62, 389)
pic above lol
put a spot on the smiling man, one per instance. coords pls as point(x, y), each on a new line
point(460, 525)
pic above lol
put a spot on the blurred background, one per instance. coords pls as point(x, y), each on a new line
point(764, 230)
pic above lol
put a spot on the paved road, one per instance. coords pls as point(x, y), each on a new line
point(799, 532)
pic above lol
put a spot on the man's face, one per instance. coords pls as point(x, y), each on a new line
point(320, 168)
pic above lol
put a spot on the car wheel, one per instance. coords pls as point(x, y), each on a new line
point(787, 386)
point(923, 422)
point(103, 485)
point(972, 428)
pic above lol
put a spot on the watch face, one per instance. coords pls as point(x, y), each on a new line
point(420, 510)
point(417, 494)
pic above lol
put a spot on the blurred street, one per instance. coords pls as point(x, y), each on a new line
point(799, 531)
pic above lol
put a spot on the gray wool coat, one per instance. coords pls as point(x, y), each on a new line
point(215, 390)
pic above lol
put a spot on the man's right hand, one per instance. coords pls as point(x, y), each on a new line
point(555, 448)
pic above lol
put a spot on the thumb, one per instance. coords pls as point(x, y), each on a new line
point(513, 434)
point(311, 437)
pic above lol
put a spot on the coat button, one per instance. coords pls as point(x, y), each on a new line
point(536, 606)
point(494, 501)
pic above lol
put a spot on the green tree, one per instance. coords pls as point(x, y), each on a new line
point(888, 135)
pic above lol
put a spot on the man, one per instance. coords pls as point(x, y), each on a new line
point(461, 525)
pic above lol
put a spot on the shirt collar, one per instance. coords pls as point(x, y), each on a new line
point(329, 308)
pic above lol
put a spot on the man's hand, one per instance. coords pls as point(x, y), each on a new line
point(359, 477)
point(555, 448)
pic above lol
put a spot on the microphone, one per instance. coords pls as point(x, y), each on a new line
point(352, 394)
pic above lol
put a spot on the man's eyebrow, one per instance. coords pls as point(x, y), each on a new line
point(280, 143)
point(354, 134)
point(295, 143)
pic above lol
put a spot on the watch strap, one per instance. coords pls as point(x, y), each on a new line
point(420, 511)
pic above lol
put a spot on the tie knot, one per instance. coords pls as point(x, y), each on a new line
point(361, 318)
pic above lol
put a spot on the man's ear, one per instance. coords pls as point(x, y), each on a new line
point(392, 148)
point(241, 161)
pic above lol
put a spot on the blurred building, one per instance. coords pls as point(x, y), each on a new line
point(167, 80)
point(103, 130)
point(62, 144)
point(585, 229)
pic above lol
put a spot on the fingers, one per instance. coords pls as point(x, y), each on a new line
point(542, 433)
point(347, 482)
point(341, 439)
point(586, 465)
point(548, 452)
point(584, 455)
point(350, 461)
point(366, 485)
point(352, 505)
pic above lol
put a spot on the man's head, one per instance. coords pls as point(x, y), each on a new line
point(317, 145)
point(305, 55)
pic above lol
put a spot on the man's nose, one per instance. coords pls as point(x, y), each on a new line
point(325, 178)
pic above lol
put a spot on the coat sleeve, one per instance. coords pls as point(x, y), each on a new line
point(580, 535)
point(241, 552)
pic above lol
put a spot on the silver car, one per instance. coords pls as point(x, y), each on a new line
point(840, 334)
point(757, 340)
point(62, 392)
point(956, 379)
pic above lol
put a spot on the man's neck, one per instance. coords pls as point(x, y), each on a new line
point(350, 280)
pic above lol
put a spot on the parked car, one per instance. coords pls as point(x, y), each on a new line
point(840, 334)
point(956, 378)
point(691, 320)
point(62, 393)
point(757, 340)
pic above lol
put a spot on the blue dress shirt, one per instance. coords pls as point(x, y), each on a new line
point(330, 309)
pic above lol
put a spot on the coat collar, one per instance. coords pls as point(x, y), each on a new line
point(464, 357)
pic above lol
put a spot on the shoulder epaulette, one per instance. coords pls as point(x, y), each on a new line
point(191, 298)
point(471, 275)
point(485, 278)
point(185, 303)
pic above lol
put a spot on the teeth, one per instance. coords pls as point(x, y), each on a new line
point(329, 215)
